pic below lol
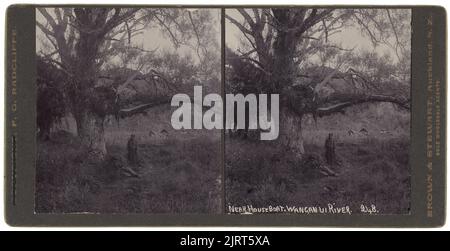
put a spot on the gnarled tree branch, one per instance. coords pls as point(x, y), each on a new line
point(127, 112)
point(340, 106)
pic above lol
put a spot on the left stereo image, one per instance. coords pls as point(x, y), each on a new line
point(105, 78)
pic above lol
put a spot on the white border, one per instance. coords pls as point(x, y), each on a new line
point(5, 3)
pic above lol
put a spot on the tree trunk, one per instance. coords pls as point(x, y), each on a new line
point(284, 50)
point(284, 72)
point(87, 102)
point(91, 131)
point(291, 136)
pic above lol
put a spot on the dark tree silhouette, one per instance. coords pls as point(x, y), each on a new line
point(84, 40)
point(281, 43)
point(50, 99)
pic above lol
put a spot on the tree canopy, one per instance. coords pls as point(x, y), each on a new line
point(119, 44)
point(304, 53)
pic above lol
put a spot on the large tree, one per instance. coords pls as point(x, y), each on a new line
point(291, 51)
point(85, 43)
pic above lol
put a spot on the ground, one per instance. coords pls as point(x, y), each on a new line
point(178, 173)
point(373, 170)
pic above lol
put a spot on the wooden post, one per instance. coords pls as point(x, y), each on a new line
point(330, 146)
point(132, 155)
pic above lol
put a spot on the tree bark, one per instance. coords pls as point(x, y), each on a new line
point(283, 65)
point(86, 102)
point(91, 131)
point(283, 76)
point(291, 136)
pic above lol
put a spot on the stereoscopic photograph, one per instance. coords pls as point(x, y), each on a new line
point(225, 116)
point(314, 115)
point(334, 86)
point(105, 80)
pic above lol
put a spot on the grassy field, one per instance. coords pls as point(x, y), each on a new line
point(373, 168)
point(179, 171)
point(375, 173)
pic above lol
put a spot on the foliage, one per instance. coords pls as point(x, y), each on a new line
point(50, 99)
point(296, 46)
point(93, 46)
point(86, 50)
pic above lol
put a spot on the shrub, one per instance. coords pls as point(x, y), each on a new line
point(50, 100)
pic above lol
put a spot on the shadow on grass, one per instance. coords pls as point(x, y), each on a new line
point(375, 171)
point(177, 177)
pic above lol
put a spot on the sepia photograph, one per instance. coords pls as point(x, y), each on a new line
point(105, 79)
point(211, 116)
point(343, 78)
